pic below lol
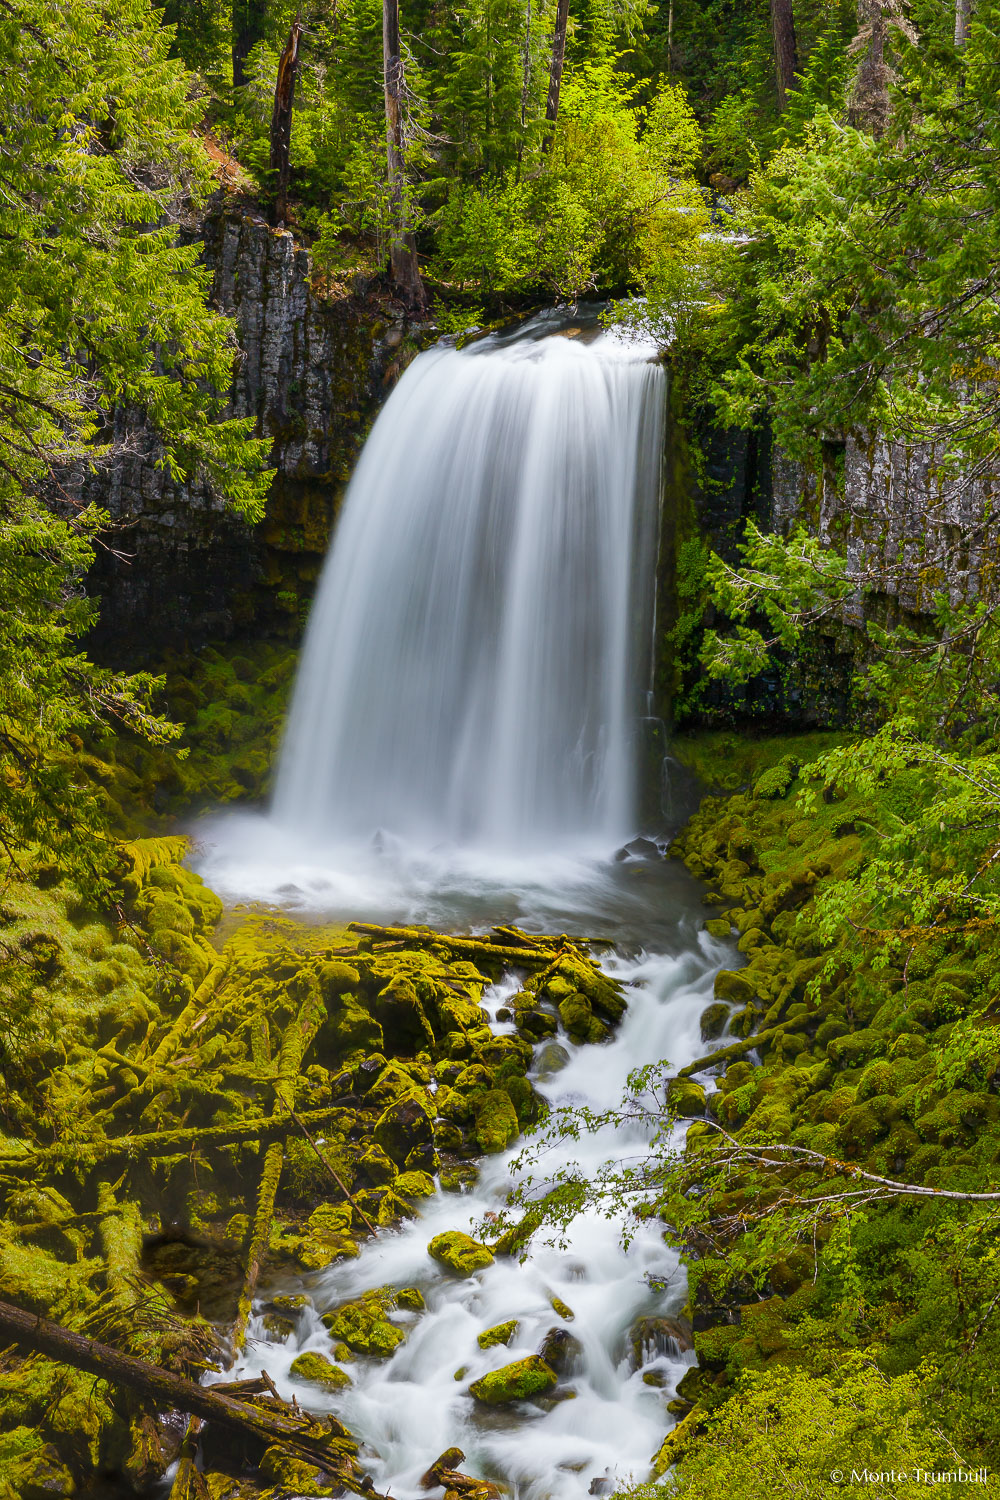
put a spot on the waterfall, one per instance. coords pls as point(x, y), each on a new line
point(472, 666)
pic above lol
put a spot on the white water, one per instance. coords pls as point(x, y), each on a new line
point(410, 1408)
point(470, 669)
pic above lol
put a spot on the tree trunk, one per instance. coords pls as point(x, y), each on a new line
point(281, 120)
point(963, 13)
point(786, 58)
point(402, 250)
point(167, 1392)
point(556, 71)
point(868, 105)
point(249, 21)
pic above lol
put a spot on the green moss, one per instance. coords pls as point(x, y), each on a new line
point(316, 1369)
point(363, 1325)
point(501, 1333)
point(459, 1253)
point(520, 1381)
point(496, 1122)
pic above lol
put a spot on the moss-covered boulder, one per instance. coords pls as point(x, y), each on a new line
point(402, 1016)
point(406, 1127)
point(459, 1253)
point(501, 1333)
point(377, 1167)
point(411, 1298)
point(496, 1122)
point(364, 1325)
point(733, 986)
point(520, 1381)
point(713, 1021)
point(579, 1020)
point(316, 1369)
point(415, 1184)
point(685, 1097)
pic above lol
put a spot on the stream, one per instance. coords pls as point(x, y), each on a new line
point(461, 751)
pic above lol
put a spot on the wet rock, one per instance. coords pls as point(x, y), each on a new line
point(520, 1381)
point(551, 1059)
point(289, 1302)
point(276, 1326)
point(713, 1021)
point(411, 1298)
point(460, 1178)
point(377, 1167)
point(685, 1097)
point(579, 1020)
point(559, 1307)
point(501, 1333)
point(733, 985)
point(496, 1122)
point(559, 1348)
point(45, 1477)
point(651, 1338)
point(316, 1369)
point(405, 1126)
point(718, 927)
point(414, 1184)
point(364, 1325)
point(459, 1253)
point(449, 1459)
point(296, 1476)
point(400, 1011)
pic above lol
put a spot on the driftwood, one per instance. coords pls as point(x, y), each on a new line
point(160, 1143)
point(267, 1423)
point(527, 958)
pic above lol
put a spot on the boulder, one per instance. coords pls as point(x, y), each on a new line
point(411, 1298)
point(364, 1325)
point(405, 1126)
point(501, 1333)
point(459, 1253)
point(316, 1369)
point(713, 1021)
point(380, 1171)
point(496, 1122)
point(400, 1011)
point(559, 1347)
point(414, 1184)
point(651, 1337)
point(520, 1381)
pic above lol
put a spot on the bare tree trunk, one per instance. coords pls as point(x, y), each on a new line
point(249, 20)
point(281, 120)
point(868, 104)
point(556, 71)
point(963, 13)
point(525, 84)
point(786, 57)
point(670, 38)
point(403, 250)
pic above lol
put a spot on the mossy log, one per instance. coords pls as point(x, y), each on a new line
point(161, 1143)
point(294, 1046)
point(676, 1440)
point(266, 1423)
point(738, 1049)
point(528, 958)
point(188, 1483)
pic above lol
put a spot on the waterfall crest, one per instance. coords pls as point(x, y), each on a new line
point(470, 669)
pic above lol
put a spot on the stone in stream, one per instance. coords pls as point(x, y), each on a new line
point(552, 1058)
point(411, 1298)
point(501, 1333)
point(459, 1252)
point(713, 1020)
point(558, 1306)
point(559, 1347)
point(443, 1473)
point(519, 1381)
point(316, 1369)
point(364, 1325)
point(652, 1337)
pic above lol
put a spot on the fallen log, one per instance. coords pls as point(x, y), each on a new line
point(528, 958)
point(300, 1435)
point(161, 1143)
point(738, 1049)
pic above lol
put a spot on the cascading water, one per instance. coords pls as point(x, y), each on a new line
point(469, 693)
point(469, 673)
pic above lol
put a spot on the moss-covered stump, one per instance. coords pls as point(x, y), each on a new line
point(520, 1381)
point(459, 1253)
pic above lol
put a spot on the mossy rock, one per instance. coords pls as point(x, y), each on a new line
point(733, 986)
point(351, 1032)
point(501, 1333)
point(297, 1476)
point(579, 1020)
point(364, 1326)
point(414, 1184)
point(685, 1097)
point(316, 1369)
point(377, 1167)
point(520, 1381)
point(337, 978)
point(496, 1122)
point(718, 927)
point(713, 1020)
point(411, 1298)
point(459, 1253)
point(406, 1125)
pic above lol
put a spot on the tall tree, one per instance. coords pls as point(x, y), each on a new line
point(403, 250)
point(281, 121)
point(101, 310)
point(786, 57)
point(249, 27)
point(556, 69)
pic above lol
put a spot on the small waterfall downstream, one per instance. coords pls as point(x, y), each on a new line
point(470, 673)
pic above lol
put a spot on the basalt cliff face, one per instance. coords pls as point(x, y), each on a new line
point(180, 568)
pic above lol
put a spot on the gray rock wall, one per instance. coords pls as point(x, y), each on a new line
point(179, 568)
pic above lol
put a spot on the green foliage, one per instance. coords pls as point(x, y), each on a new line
point(102, 310)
